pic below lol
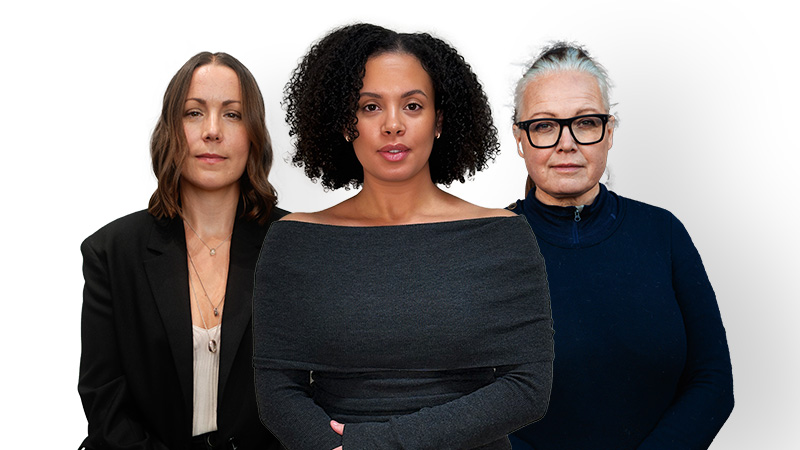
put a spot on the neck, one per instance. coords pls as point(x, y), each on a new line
point(585, 198)
point(211, 214)
point(395, 203)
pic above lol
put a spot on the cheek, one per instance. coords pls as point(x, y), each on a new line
point(535, 161)
point(598, 159)
point(189, 132)
point(242, 142)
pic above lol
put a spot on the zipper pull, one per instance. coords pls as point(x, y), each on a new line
point(578, 210)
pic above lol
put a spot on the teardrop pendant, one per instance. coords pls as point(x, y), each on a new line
point(212, 346)
point(216, 312)
point(213, 251)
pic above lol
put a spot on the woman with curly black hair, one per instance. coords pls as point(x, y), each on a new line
point(403, 317)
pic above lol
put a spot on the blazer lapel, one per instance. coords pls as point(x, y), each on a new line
point(245, 247)
point(168, 274)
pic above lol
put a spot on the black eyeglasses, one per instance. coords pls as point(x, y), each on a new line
point(586, 129)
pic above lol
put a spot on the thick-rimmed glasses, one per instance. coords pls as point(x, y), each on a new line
point(586, 129)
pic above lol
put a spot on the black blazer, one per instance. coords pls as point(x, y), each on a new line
point(136, 361)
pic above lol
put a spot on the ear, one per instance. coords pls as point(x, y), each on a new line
point(518, 137)
point(439, 121)
point(610, 126)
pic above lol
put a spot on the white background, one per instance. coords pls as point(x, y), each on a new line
point(706, 92)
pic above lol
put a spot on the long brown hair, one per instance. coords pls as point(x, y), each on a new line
point(168, 147)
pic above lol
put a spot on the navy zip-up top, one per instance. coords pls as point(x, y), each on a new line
point(641, 358)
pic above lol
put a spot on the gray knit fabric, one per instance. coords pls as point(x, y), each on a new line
point(424, 336)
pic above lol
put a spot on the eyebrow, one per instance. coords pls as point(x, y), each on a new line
point(407, 94)
point(203, 102)
point(580, 112)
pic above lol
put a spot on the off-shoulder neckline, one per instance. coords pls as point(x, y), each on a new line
point(405, 225)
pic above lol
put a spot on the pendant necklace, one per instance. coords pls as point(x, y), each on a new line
point(212, 342)
point(211, 250)
point(215, 308)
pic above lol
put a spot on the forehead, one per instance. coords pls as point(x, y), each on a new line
point(563, 93)
point(214, 80)
point(388, 71)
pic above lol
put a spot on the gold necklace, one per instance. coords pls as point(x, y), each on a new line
point(211, 250)
point(212, 342)
point(215, 308)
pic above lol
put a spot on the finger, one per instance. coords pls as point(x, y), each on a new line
point(337, 427)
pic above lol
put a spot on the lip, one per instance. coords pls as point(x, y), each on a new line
point(394, 152)
point(211, 158)
point(566, 168)
point(394, 148)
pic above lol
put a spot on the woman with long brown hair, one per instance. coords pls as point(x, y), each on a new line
point(166, 335)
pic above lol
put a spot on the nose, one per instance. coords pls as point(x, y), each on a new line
point(566, 143)
point(211, 130)
point(393, 123)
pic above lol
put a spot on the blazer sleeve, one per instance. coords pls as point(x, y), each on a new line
point(112, 416)
point(705, 393)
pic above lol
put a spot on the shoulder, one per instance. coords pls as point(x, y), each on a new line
point(654, 219)
point(277, 214)
point(636, 208)
point(481, 212)
point(122, 236)
point(343, 213)
point(315, 217)
point(459, 208)
point(515, 207)
point(124, 226)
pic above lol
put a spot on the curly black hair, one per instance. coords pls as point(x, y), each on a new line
point(321, 100)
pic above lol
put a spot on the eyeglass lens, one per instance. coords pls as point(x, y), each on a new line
point(585, 130)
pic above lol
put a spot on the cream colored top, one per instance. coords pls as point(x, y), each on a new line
point(206, 379)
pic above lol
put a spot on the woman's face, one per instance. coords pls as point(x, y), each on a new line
point(569, 173)
point(215, 132)
point(397, 119)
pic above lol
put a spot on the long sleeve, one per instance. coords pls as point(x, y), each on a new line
point(401, 327)
point(517, 397)
point(113, 421)
point(290, 412)
point(705, 395)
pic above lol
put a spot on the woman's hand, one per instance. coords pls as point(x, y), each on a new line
point(339, 429)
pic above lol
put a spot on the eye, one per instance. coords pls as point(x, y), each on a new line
point(588, 123)
point(543, 127)
point(193, 113)
point(413, 106)
point(370, 107)
point(233, 115)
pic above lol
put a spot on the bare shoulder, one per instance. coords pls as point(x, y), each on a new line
point(501, 212)
point(330, 216)
point(302, 217)
point(466, 210)
point(481, 212)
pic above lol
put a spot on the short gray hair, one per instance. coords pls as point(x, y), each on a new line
point(562, 57)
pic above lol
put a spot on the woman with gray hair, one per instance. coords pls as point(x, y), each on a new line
point(641, 355)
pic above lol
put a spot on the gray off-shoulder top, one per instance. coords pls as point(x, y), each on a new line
point(423, 336)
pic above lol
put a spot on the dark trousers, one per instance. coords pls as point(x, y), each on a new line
point(209, 441)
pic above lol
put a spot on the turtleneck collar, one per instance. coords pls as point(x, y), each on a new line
point(571, 226)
